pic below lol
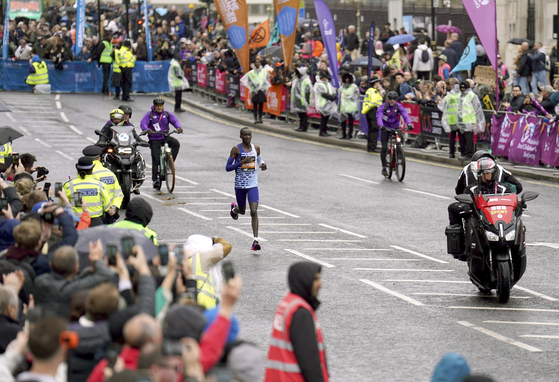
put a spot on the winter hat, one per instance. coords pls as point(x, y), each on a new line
point(35, 58)
point(245, 362)
point(451, 368)
point(465, 84)
point(211, 315)
point(378, 48)
point(183, 321)
point(302, 70)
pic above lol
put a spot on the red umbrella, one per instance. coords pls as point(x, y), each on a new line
point(448, 29)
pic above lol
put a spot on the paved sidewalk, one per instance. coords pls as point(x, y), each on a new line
point(282, 127)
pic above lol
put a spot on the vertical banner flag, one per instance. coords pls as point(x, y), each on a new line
point(80, 26)
point(483, 14)
point(468, 57)
point(371, 48)
point(148, 35)
point(328, 32)
point(233, 14)
point(286, 21)
point(395, 59)
point(6, 37)
point(260, 36)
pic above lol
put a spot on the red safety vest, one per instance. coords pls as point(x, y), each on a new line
point(282, 365)
point(441, 70)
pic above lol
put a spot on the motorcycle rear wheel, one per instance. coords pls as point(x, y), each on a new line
point(389, 162)
point(503, 281)
point(400, 163)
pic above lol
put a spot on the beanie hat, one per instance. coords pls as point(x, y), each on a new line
point(451, 368)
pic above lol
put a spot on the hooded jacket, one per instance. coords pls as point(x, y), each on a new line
point(139, 211)
point(420, 66)
point(153, 118)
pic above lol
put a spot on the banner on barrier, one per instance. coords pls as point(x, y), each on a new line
point(202, 75)
point(234, 86)
point(525, 142)
point(220, 82)
point(431, 125)
point(413, 112)
point(502, 134)
point(211, 77)
point(550, 144)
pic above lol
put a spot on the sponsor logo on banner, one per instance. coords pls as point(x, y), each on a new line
point(480, 3)
point(201, 75)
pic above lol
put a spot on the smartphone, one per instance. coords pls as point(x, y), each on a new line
point(15, 159)
point(46, 188)
point(77, 199)
point(164, 254)
point(111, 254)
point(179, 253)
point(127, 243)
point(228, 271)
point(57, 188)
point(3, 204)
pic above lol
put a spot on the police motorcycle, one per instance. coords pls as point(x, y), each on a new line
point(122, 157)
point(494, 241)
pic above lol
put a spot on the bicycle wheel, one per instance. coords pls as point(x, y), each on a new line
point(400, 163)
point(169, 173)
point(389, 161)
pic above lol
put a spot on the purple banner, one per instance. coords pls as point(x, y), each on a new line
point(371, 48)
point(328, 32)
point(501, 137)
point(525, 143)
point(483, 14)
point(550, 144)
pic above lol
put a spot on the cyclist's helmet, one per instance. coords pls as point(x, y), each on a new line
point(486, 165)
point(392, 96)
point(158, 101)
point(117, 116)
point(126, 110)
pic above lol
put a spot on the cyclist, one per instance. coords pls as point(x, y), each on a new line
point(388, 116)
point(156, 121)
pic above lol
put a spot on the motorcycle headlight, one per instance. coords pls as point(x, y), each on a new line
point(511, 235)
point(491, 236)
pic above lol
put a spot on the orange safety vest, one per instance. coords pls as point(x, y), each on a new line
point(282, 365)
point(442, 68)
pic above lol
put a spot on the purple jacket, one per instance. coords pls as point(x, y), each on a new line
point(162, 119)
point(389, 116)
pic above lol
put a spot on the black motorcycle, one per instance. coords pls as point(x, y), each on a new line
point(494, 241)
point(122, 157)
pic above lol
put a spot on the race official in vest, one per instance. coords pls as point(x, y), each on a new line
point(462, 112)
point(105, 61)
point(301, 92)
point(38, 72)
point(109, 178)
point(296, 351)
point(5, 151)
point(93, 191)
point(138, 216)
point(125, 60)
point(258, 84)
point(116, 80)
point(177, 81)
point(373, 100)
point(348, 104)
point(325, 101)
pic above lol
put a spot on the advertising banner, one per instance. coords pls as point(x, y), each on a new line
point(550, 144)
point(146, 25)
point(202, 75)
point(525, 142)
point(286, 19)
point(483, 14)
point(80, 26)
point(501, 137)
point(431, 124)
point(220, 82)
point(211, 77)
point(234, 86)
point(234, 15)
point(328, 32)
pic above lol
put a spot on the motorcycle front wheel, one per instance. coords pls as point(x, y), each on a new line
point(126, 186)
point(503, 281)
point(390, 161)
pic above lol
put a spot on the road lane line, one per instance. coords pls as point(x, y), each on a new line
point(505, 309)
point(427, 193)
point(58, 105)
point(393, 293)
point(542, 183)
point(197, 197)
point(190, 192)
point(244, 233)
point(186, 180)
point(333, 241)
point(419, 254)
point(539, 336)
point(535, 293)
point(153, 198)
point(361, 179)
point(276, 224)
point(64, 117)
point(310, 258)
point(24, 130)
point(500, 337)
point(402, 270)
point(9, 115)
point(64, 155)
point(248, 217)
point(276, 210)
point(220, 211)
point(347, 249)
point(222, 193)
point(75, 129)
point(523, 323)
point(91, 140)
point(467, 295)
point(365, 259)
point(57, 97)
point(429, 281)
point(205, 204)
point(342, 230)
point(194, 214)
point(43, 143)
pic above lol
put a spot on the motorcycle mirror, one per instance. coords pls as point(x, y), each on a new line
point(464, 198)
point(529, 195)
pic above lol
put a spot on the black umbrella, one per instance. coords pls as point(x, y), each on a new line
point(8, 134)
point(274, 51)
point(4, 108)
point(364, 62)
point(519, 41)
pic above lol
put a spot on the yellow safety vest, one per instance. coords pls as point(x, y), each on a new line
point(93, 191)
point(468, 111)
point(321, 101)
point(206, 292)
point(106, 54)
point(116, 67)
point(150, 234)
point(347, 105)
point(256, 79)
point(109, 178)
point(5, 152)
point(373, 99)
point(175, 81)
point(125, 58)
point(41, 75)
point(452, 108)
point(304, 85)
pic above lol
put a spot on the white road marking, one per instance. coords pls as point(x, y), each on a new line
point(535, 293)
point(295, 232)
point(347, 249)
point(58, 105)
point(42, 143)
point(310, 258)
point(57, 97)
point(427, 193)
point(248, 217)
point(176, 186)
point(550, 245)
point(222, 193)
point(244, 233)
point(523, 323)
point(393, 293)
point(275, 224)
point(403, 270)
point(500, 337)
point(539, 336)
point(64, 117)
point(204, 204)
point(198, 197)
point(467, 295)
point(194, 214)
point(507, 309)
point(419, 254)
point(221, 211)
point(334, 241)
point(526, 216)
point(91, 140)
point(148, 166)
point(356, 178)
point(186, 180)
point(75, 129)
point(366, 259)
point(429, 281)
point(191, 192)
point(9, 115)
point(24, 130)
point(153, 198)
point(64, 155)
point(342, 230)
point(276, 210)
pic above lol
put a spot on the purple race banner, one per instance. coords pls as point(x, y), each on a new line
point(550, 144)
point(328, 32)
point(525, 143)
point(483, 14)
point(502, 135)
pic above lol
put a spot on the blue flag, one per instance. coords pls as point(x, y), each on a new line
point(80, 27)
point(146, 25)
point(468, 57)
point(341, 39)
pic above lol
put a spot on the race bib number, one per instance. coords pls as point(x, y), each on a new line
point(251, 166)
point(156, 127)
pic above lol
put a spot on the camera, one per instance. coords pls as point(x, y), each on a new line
point(15, 159)
point(42, 171)
point(47, 189)
point(77, 199)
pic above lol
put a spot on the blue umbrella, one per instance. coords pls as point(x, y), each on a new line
point(400, 39)
point(162, 11)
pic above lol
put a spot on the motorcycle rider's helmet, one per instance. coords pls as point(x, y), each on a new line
point(486, 165)
point(392, 96)
point(158, 101)
point(477, 156)
point(117, 117)
point(127, 110)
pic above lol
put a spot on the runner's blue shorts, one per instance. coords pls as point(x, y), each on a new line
point(243, 193)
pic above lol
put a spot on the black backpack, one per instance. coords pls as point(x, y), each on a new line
point(424, 56)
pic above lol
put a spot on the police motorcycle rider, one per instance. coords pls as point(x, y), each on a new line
point(116, 118)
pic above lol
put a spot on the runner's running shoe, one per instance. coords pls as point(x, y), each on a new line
point(256, 245)
point(234, 214)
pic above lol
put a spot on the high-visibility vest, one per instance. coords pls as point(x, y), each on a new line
point(306, 83)
point(41, 75)
point(106, 54)
point(453, 100)
point(111, 181)
point(5, 152)
point(125, 58)
point(257, 80)
point(468, 111)
point(320, 100)
point(93, 191)
point(150, 234)
point(281, 365)
point(116, 67)
point(348, 105)
point(206, 292)
point(442, 68)
point(373, 99)
point(175, 81)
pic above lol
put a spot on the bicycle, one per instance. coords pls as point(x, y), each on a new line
point(166, 163)
point(395, 156)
